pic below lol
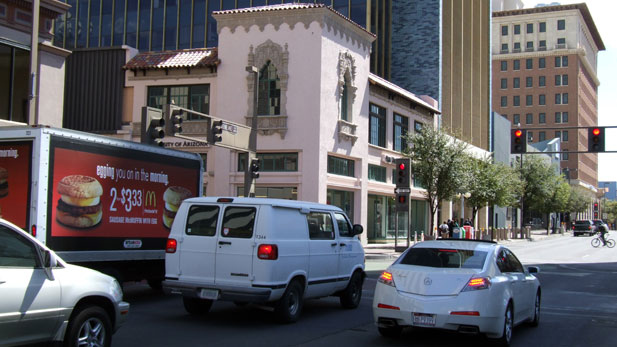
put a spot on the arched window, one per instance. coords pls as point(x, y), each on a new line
point(269, 103)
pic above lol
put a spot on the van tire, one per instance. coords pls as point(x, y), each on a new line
point(289, 307)
point(196, 306)
point(351, 296)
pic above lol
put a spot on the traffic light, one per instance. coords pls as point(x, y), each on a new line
point(174, 119)
point(518, 138)
point(255, 168)
point(216, 131)
point(152, 126)
point(401, 177)
point(595, 139)
point(402, 202)
point(595, 206)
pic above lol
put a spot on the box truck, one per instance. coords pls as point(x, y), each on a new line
point(97, 201)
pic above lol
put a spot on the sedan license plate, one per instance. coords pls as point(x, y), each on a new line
point(424, 319)
point(210, 294)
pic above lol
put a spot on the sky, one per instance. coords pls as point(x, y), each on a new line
point(603, 13)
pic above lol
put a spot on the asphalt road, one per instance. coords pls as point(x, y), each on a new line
point(579, 303)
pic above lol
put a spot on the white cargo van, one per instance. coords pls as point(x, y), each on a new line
point(254, 250)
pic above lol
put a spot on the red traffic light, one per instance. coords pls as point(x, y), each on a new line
point(518, 133)
point(596, 131)
point(401, 166)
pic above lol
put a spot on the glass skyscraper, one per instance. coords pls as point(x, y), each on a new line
point(156, 25)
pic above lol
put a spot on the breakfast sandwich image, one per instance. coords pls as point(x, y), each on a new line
point(4, 182)
point(173, 197)
point(79, 205)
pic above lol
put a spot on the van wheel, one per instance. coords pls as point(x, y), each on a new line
point(288, 308)
point(351, 296)
point(196, 306)
point(91, 326)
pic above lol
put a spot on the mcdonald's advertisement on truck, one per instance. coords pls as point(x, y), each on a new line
point(95, 200)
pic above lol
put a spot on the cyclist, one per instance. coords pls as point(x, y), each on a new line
point(602, 230)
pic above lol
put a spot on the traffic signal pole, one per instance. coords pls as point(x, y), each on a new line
point(249, 180)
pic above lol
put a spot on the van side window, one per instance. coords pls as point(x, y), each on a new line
point(344, 228)
point(320, 226)
point(238, 222)
point(202, 220)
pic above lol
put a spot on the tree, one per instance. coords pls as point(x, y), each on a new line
point(578, 201)
point(439, 163)
point(542, 188)
point(491, 184)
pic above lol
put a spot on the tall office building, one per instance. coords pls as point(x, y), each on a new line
point(545, 79)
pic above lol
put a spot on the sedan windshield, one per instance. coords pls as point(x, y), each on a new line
point(445, 258)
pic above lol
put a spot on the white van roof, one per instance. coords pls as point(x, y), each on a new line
point(264, 201)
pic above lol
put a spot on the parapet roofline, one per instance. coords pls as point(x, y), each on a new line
point(582, 7)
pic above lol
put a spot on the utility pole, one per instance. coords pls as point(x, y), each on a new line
point(249, 180)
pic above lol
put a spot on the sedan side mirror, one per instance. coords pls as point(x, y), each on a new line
point(49, 262)
point(533, 269)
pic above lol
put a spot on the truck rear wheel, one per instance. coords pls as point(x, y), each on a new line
point(289, 307)
point(196, 306)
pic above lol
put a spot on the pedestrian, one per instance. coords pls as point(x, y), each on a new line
point(443, 230)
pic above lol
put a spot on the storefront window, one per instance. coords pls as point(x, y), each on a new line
point(342, 199)
point(14, 71)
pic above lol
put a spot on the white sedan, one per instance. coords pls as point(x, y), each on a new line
point(461, 285)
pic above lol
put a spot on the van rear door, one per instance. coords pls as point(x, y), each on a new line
point(198, 244)
point(236, 246)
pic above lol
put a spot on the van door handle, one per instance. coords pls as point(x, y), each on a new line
point(333, 244)
point(224, 243)
point(343, 245)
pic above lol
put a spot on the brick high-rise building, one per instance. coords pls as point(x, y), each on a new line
point(545, 79)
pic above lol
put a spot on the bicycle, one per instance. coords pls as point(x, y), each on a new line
point(597, 241)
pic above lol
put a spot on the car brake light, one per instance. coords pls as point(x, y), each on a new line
point(171, 246)
point(477, 283)
point(268, 252)
point(389, 307)
point(386, 278)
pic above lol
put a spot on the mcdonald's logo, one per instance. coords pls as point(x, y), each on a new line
point(150, 200)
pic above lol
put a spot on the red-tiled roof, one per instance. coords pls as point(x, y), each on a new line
point(287, 7)
point(186, 58)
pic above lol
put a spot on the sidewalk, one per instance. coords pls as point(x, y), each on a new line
point(379, 256)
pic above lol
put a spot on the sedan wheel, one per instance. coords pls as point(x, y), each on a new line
point(508, 325)
point(536, 312)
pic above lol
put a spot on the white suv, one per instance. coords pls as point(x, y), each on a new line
point(46, 299)
point(263, 251)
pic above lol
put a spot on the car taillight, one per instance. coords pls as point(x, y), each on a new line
point(389, 307)
point(386, 278)
point(477, 283)
point(465, 313)
point(268, 252)
point(171, 246)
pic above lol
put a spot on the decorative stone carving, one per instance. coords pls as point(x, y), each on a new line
point(279, 58)
point(347, 131)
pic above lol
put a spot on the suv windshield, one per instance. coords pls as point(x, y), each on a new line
point(445, 258)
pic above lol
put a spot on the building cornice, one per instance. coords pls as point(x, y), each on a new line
point(294, 16)
point(582, 8)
